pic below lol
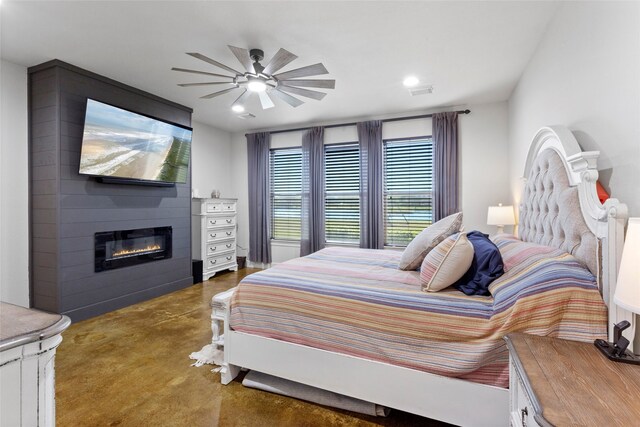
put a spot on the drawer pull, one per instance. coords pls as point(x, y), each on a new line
point(229, 258)
point(229, 221)
point(213, 222)
point(213, 236)
point(228, 245)
point(229, 207)
point(229, 233)
point(524, 412)
point(213, 261)
point(213, 249)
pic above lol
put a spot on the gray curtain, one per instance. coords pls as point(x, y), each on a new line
point(313, 238)
point(259, 203)
point(371, 185)
point(445, 164)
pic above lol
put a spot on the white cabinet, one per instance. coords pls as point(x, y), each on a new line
point(213, 229)
point(28, 342)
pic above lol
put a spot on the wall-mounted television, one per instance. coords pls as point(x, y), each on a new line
point(121, 144)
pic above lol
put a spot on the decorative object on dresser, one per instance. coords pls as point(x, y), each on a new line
point(28, 342)
point(500, 216)
point(627, 296)
point(559, 382)
point(214, 234)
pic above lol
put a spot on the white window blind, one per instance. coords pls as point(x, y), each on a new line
point(408, 186)
point(286, 188)
point(342, 193)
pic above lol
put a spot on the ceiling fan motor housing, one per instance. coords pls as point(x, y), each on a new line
point(256, 54)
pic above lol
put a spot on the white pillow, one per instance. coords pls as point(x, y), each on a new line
point(446, 263)
point(428, 239)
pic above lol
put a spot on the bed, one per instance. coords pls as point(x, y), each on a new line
point(348, 321)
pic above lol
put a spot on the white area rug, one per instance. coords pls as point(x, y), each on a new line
point(209, 355)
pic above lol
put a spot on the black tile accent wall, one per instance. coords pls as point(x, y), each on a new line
point(66, 208)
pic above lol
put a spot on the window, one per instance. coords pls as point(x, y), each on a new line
point(342, 193)
point(286, 188)
point(408, 186)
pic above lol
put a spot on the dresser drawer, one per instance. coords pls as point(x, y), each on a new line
point(214, 207)
point(221, 221)
point(220, 260)
point(222, 234)
point(224, 246)
point(228, 206)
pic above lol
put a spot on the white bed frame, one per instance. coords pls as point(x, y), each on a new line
point(442, 398)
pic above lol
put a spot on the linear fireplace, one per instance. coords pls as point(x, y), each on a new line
point(123, 248)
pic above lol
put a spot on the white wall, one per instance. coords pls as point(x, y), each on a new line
point(585, 75)
point(14, 173)
point(482, 139)
point(211, 160)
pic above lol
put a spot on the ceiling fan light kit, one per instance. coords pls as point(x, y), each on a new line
point(263, 80)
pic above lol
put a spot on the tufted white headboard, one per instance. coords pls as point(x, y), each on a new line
point(550, 212)
point(560, 208)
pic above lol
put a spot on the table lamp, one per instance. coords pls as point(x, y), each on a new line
point(627, 296)
point(500, 216)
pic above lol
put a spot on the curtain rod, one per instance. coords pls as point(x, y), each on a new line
point(337, 125)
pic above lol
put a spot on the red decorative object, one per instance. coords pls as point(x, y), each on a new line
point(602, 193)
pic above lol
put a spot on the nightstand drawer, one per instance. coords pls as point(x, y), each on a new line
point(520, 408)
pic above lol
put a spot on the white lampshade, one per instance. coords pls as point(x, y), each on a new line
point(627, 294)
point(500, 215)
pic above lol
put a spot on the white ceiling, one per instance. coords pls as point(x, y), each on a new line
point(471, 52)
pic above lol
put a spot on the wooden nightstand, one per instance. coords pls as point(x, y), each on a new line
point(559, 382)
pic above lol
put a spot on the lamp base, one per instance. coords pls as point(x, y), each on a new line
point(611, 351)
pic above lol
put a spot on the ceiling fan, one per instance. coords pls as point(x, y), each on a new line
point(262, 79)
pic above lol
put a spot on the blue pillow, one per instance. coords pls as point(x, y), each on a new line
point(486, 266)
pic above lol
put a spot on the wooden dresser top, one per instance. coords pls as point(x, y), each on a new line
point(19, 325)
point(574, 384)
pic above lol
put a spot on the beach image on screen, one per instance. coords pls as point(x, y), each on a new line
point(118, 143)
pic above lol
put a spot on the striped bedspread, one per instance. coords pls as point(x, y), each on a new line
point(356, 302)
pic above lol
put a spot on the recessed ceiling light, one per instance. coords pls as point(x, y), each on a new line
point(237, 108)
point(410, 81)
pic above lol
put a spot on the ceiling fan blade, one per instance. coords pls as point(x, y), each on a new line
point(222, 92)
point(294, 102)
point(244, 58)
point(242, 98)
point(326, 84)
point(214, 62)
point(184, 70)
point(265, 100)
point(204, 84)
point(303, 92)
point(309, 70)
point(279, 60)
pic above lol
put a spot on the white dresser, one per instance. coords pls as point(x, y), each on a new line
point(213, 229)
point(28, 342)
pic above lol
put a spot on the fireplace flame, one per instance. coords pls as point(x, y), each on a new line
point(124, 252)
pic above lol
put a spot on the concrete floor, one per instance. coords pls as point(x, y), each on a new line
point(130, 367)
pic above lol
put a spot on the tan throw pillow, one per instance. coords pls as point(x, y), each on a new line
point(428, 239)
point(446, 263)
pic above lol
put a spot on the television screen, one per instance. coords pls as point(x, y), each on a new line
point(121, 144)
